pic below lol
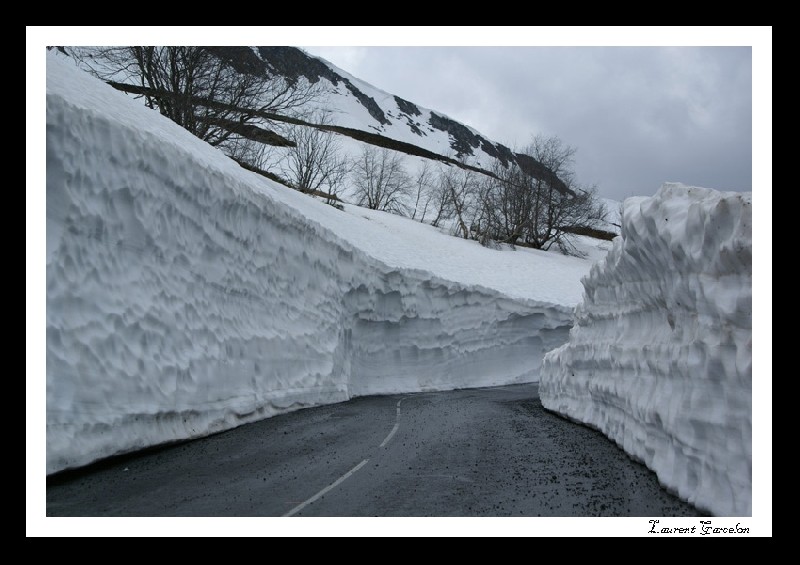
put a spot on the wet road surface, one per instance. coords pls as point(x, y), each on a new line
point(477, 452)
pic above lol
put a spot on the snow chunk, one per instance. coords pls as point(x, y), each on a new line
point(659, 358)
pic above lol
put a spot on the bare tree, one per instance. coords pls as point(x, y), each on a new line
point(536, 200)
point(582, 215)
point(460, 186)
point(251, 152)
point(201, 88)
point(555, 206)
point(442, 207)
point(506, 199)
point(424, 192)
point(315, 163)
point(380, 181)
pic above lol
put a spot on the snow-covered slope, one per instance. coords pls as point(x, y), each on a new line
point(186, 295)
point(359, 105)
point(660, 355)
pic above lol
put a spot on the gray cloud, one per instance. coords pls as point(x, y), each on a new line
point(638, 116)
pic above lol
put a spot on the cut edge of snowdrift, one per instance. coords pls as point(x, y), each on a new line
point(660, 356)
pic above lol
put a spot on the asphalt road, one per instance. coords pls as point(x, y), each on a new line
point(479, 452)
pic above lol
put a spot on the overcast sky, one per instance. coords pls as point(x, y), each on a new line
point(638, 116)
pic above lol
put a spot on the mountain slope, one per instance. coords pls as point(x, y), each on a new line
point(301, 121)
point(362, 106)
point(366, 113)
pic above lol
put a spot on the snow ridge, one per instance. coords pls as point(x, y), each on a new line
point(660, 356)
point(186, 295)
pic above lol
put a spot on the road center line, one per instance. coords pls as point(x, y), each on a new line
point(396, 426)
point(391, 434)
point(347, 475)
point(326, 490)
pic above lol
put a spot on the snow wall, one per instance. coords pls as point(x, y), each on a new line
point(185, 297)
point(659, 358)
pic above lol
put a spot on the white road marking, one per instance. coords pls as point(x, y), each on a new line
point(347, 475)
point(395, 428)
point(326, 490)
point(391, 434)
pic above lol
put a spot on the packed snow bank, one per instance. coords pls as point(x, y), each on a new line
point(659, 358)
point(186, 295)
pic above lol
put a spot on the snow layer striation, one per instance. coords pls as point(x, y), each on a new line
point(659, 358)
point(186, 295)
